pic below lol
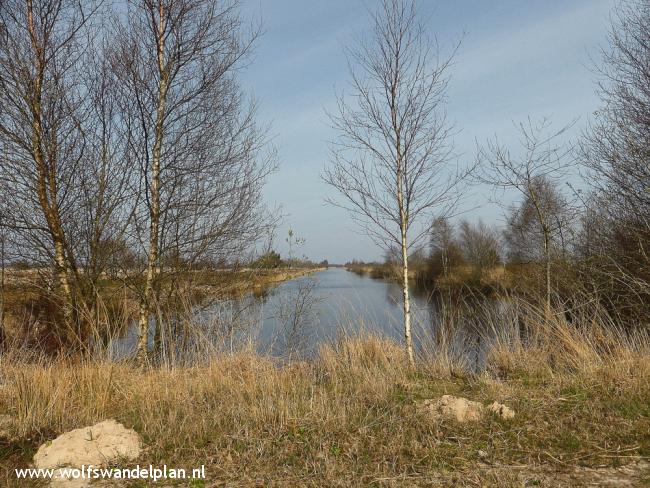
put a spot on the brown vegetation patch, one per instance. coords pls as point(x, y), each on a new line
point(347, 418)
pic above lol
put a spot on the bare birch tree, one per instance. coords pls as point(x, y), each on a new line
point(445, 251)
point(535, 174)
point(40, 130)
point(193, 137)
point(391, 161)
point(442, 235)
point(64, 169)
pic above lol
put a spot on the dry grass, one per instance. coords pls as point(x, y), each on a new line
point(347, 418)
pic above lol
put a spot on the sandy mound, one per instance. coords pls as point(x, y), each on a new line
point(502, 411)
point(99, 445)
point(454, 408)
point(461, 409)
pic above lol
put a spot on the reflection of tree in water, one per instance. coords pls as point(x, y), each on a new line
point(196, 331)
point(297, 315)
point(233, 324)
point(464, 326)
point(393, 294)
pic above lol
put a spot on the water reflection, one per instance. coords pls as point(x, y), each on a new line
point(294, 318)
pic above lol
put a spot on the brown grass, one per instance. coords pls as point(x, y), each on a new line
point(347, 418)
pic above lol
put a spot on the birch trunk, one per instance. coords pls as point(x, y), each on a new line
point(547, 252)
point(408, 337)
point(47, 195)
point(46, 177)
point(152, 270)
point(154, 222)
point(546, 232)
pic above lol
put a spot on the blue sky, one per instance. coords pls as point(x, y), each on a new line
point(517, 59)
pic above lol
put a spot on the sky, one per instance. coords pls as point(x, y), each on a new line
point(517, 59)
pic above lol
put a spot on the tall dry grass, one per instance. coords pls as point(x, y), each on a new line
point(581, 389)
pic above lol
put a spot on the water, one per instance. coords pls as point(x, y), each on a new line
point(295, 317)
point(341, 302)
